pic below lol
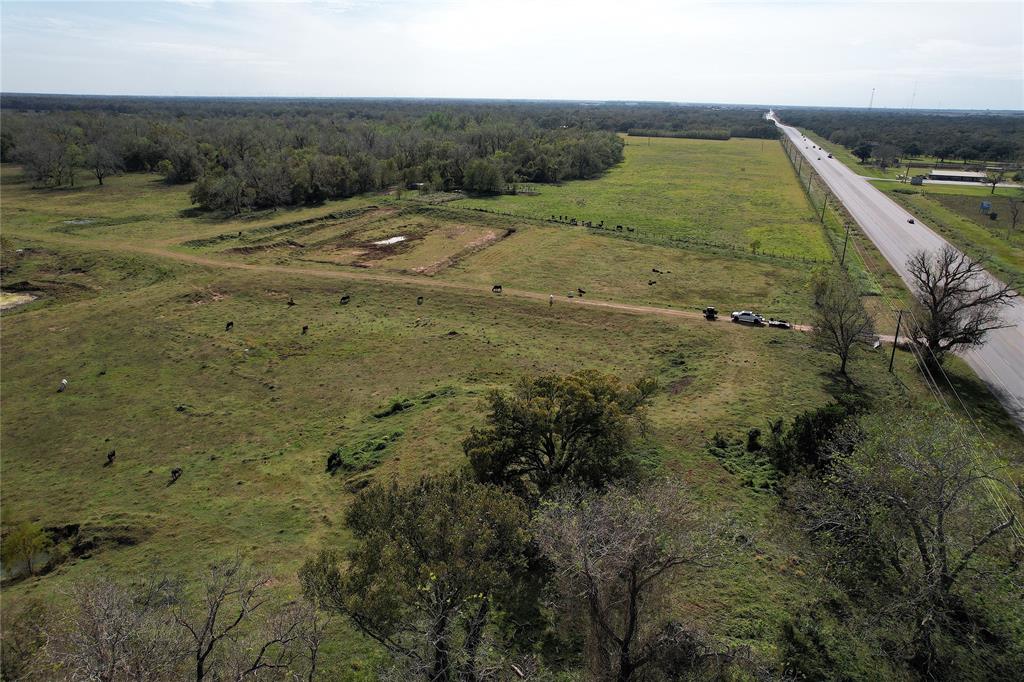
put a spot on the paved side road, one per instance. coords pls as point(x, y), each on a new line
point(1000, 362)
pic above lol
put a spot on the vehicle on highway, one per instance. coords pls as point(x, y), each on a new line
point(710, 313)
point(910, 220)
point(748, 317)
point(780, 324)
point(830, 156)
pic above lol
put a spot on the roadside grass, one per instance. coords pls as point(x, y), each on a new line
point(970, 207)
point(732, 192)
point(982, 192)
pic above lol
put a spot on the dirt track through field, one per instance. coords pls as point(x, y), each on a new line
point(380, 278)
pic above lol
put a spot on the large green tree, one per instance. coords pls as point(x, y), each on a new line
point(556, 429)
point(430, 562)
point(918, 522)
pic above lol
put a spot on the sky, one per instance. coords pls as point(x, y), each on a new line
point(936, 55)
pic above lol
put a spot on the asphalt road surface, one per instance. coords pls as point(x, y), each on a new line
point(1000, 361)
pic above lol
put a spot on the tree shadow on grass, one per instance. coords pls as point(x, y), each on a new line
point(843, 388)
point(981, 402)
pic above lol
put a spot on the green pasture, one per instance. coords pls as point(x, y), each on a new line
point(731, 192)
point(133, 307)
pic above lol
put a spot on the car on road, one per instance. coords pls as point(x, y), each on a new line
point(779, 324)
point(830, 156)
point(748, 317)
point(910, 220)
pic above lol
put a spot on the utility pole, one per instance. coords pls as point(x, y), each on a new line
point(846, 239)
point(871, 104)
point(895, 341)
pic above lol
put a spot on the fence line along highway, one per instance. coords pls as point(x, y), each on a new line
point(1000, 361)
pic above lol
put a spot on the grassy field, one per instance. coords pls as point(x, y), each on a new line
point(732, 192)
point(979, 191)
point(133, 313)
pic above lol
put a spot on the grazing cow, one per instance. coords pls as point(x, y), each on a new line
point(305, 328)
point(581, 292)
point(630, 229)
point(651, 282)
point(419, 300)
point(110, 457)
point(345, 299)
point(175, 475)
point(496, 289)
point(291, 301)
point(63, 386)
point(229, 326)
point(656, 270)
point(619, 228)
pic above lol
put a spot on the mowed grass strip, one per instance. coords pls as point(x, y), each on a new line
point(731, 192)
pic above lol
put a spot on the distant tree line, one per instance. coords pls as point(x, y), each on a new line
point(263, 153)
point(709, 134)
point(254, 160)
point(947, 136)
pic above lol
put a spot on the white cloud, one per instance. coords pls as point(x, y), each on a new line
point(961, 54)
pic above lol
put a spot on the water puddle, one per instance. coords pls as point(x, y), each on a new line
point(11, 300)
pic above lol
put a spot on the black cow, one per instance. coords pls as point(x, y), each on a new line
point(229, 326)
point(496, 289)
point(345, 299)
point(175, 475)
point(110, 457)
point(305, 328)
point(419, 300)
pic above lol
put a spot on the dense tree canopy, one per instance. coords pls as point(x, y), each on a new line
point(555, 430)
point(262, 153)
point(917, 522)
point(431, 560)
point(960, 136)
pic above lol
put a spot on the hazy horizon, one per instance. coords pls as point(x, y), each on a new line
point(961, 56)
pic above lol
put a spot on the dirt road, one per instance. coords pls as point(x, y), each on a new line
point(420, 282)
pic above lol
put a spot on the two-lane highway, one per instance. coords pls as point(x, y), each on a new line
point(1000, 361)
